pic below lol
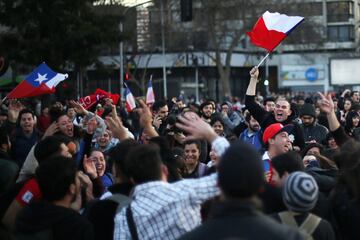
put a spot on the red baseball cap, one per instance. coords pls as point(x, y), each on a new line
point(274, 129)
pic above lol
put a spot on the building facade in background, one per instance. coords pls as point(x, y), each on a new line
point(301, 63)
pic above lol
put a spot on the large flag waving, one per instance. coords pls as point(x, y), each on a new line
point(272, 28)
point(41, 81)
point(150, 96)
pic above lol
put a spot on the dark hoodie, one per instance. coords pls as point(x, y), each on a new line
point(52, 222)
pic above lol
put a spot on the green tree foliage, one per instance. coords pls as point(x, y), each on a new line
point(61, 33)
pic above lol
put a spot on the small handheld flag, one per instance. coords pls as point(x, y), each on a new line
point(130, 100)
point(150, 96)
point(41, 81)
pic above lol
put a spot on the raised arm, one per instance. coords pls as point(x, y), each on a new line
point(114, 123)
point(254, 75)
point(146, 119)
point(199, 129)
point(256, 111)
point(327, 106)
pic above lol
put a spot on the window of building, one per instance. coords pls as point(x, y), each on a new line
point(340, 11)
point(341, 33)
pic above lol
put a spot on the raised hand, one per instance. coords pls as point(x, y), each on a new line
point(254, 73)
point(51, 130)
point(326, 103)
point(14, 109)
point(78, 107)
point(157, 122)
point(86, 183)
point(196, 127)
point(89, 167)
point(116, 127)
point(146, 119)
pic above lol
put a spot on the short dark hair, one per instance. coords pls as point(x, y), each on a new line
point(48, 147)
point(353, 92)
point(224, 103)
point(216, 118)
point(24, 111)
point(55, 113)
point(158, 104)
point(269, 99)
point(247, 117)
point(118, 155)
point(241, 175)
point(205, 104)
point(196, 142)
point(287, 162)
point(55, 177)
point(143, 163)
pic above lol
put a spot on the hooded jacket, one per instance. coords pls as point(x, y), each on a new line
point(52, 222)
point(232, 119)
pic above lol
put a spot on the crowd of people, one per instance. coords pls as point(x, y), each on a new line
point(280, 167)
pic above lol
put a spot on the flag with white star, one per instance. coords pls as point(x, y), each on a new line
point(41, 81)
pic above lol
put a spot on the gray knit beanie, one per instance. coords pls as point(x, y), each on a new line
point(300, 192)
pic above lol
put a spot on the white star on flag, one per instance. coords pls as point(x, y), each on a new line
point(41, 78)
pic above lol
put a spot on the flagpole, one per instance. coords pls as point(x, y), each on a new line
point(262, 60)
point(2, 101)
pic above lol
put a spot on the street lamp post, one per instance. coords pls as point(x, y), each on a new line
point(163, 47)
point(121, 48)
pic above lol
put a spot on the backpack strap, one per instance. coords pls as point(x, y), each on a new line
point(288, 219)
point(131, 223)
point(310, 224)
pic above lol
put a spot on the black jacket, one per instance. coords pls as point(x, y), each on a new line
point(346, 214)
point(325, 178)
point(44, 219)
point(101, 213)
point(22, 144)
point(324, 231)
point(315, 132)
point(266, 118)
point(239, 220)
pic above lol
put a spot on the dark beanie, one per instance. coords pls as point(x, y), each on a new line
point(241, 172)
point(308, 109)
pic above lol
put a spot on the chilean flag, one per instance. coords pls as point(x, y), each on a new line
point(130, 100)
point(150, 96)
point(272, 28)
point(41, 81)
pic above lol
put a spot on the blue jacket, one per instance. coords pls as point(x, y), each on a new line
point(254, 139)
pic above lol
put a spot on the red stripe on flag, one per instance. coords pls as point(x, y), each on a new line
point(264, 38)
point(24, 89)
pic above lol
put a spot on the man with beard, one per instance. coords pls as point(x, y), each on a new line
point(54, 217)
point(252, 134)
point(160, 112)
point(206, 110)
point(282, 112)
point(310, 128)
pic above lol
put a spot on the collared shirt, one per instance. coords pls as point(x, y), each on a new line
point(166, 211)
